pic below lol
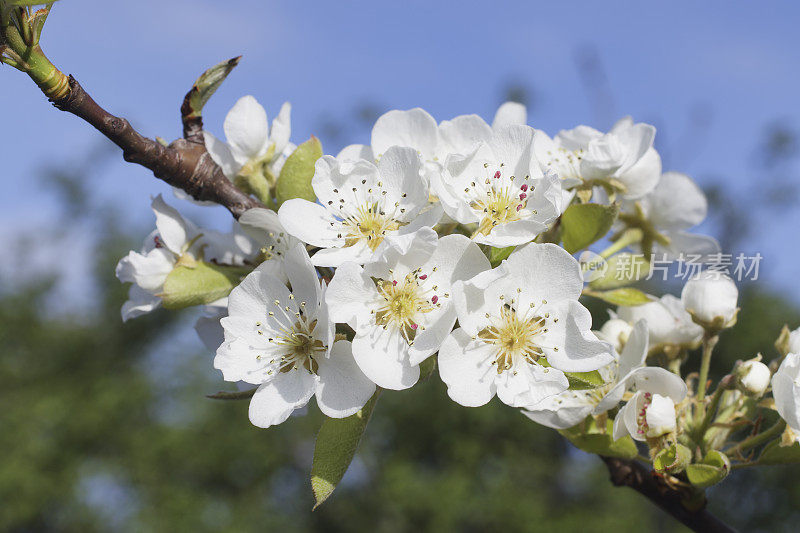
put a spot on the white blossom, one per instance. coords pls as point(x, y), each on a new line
point(667, 321)
point(174, 239)
point(361, 203)
point(624, 158)
point(512, 320)
point(651, 412)
point(283, 342)
point(616, 332)
point(252, 145)
point(674, 206)
point(401, 304)
point(500, 188)
point(786, 391)
point(711, 297)
point(754, 376)
point(794, 341)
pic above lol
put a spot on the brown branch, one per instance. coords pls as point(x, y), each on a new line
point(647, 483)
point(185, 164)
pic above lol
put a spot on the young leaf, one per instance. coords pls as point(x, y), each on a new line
point(622, 269)
point(593, 441)
point(714, 468)
point(775, 454)
point(584, 380)
point(295, 177)
point(626, 296)
point(206, 85)
point(497, 255)
point(337, 442)
point(200, 283)
point(583, 224)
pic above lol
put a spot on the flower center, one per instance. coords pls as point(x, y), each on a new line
point(405, 302)
point(497, 199)
point(515, 337)
point(369, 224)
point(294, 347)
point(568, 162)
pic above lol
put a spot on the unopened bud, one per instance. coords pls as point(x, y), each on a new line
point(753, 377)
point(711, 297)
point(615, 332)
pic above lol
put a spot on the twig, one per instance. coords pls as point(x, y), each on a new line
point(183, 164)
point(647, 483)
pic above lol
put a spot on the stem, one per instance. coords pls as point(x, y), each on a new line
point(629, 237)
point(726, 383)
point(709, 342)
point(761, 438)
point(669, 499)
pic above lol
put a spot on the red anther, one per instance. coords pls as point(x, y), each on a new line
point(414, 326)
point(524, 187)
point(434, 299)
point(394, 282)
point(423, 277)
point(497, 175)
point(522, 196)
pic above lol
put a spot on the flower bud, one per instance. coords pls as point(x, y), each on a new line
point(710, 297)
point(660, 416)
point(615, 332)
point(753, 377)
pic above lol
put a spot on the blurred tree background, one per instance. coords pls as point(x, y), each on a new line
point(105, 426)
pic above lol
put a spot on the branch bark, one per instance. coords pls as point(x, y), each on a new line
point(185, 163)
point(654, 488)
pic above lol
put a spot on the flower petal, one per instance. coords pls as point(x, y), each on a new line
point(466, 368)
point(414, 128)
point(246, 128)
point(343, 388)
point(382, 354)
point(510, 114)
point(275, 400)
point(220, 152)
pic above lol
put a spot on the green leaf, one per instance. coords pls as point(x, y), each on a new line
point(583, 224)
point(775, 454)
point(672, 460)
point(591, 440)
point(714, 468)
point(497, 255)
point(626, 296)
point(295, 178)
point(622, 269)
point(337, 442)
point(198, 283)
point(206, 85)
point(584, 380)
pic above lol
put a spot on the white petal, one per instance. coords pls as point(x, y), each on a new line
point(430, 340)
point(472, 300)
point(577, 138)
point(172, 228)
point(246, 129)
point(302, 277)
point(401, 180)
point(275, 400)
point(548, 270)
point(560, 411)
point(342, 389)
point(309, 222)
point(210, 331)
point(382, 354)
point(254, 297)
point(642, 177)
point(147, 271)
point(513, 146)
point(463, 133)
point(139, 302)
point(512, 233)
point(349, 294)
point(656, 380)
point(334, 257)
point(579, 350)
point(527, 384)
point(220, 152)
point(414, 128)
point(509, 114)
point(281, 129)
point(786, 390)
point(466, 368)
point(355, 152)
point(621, 427)
point(635, 351)
point(665, 213)
point(681, 242)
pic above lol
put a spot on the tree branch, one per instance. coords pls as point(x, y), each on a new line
point(654, 488)
point(185, 164)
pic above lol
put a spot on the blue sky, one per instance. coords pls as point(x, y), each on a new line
point(733, 63)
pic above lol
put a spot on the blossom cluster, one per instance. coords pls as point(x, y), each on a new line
point(445, 244)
